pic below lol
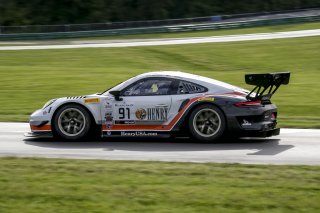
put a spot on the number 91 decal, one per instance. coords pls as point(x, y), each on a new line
point(124, 113)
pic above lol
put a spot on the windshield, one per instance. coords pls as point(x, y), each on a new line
point(119, 86)
point(105, 91)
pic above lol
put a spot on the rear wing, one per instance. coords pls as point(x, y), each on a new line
point(265, 84)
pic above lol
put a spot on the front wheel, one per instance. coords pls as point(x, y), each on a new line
point(72, 122)
point(207, 123)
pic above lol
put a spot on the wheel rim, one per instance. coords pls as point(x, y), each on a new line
point(71, 122)
point(207, 122)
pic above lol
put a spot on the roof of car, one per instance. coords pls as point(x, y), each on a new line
point(217, 86)
point(170, 73)
point(190, 77)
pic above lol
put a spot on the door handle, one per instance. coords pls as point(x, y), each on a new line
point(161, 105)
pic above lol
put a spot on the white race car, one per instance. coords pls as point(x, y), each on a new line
point(165, 103)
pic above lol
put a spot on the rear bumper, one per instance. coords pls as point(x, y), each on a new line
point(254, 122)
point(265, 133)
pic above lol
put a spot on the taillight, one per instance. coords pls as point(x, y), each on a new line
point(249, 104)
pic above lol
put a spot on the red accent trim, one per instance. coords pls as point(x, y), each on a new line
point(235, 93)
point(42, 128)
point(248, 104)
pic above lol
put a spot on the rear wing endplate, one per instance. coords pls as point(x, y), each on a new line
point(265, 84)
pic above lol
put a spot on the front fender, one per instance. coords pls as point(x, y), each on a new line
point(92, 104)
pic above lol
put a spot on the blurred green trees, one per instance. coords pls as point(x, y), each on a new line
point(22, 12)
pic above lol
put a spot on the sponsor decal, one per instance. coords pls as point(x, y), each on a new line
point(246, 123)
point(124, 122)
point(124, 105)
point(109, 119)
point(138, 134)
point(108, 105)
point(206, 99)
point(92, 100)
point(44, 112)
point(157, 114)
point(153, 114)
point(141, 114)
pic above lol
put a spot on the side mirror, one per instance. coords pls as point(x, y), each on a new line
point(116, 94)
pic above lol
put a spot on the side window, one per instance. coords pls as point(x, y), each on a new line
point(149, 87)
point(189, 88)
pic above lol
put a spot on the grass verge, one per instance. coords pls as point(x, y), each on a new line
point(56, 185)
point(29, 78)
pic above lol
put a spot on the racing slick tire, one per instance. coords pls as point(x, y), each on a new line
point(72, 122)
point(207, 123)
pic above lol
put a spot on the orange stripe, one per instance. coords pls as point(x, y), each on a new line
point(152, 127)
point(45, 127)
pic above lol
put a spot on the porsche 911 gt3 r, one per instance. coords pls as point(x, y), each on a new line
point(159, 104)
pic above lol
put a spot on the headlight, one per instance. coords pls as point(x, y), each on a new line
point(49, 103)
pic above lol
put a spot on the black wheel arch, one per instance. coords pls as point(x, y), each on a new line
point(182, 123)
point(93, 121)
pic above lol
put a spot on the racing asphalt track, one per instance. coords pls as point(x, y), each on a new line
point(170, 41)
point(293, 146)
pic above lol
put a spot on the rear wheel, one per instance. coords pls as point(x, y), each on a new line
point(72, 122)
point(207, 123)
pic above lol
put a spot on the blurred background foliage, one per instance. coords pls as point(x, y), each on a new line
point(34, 12)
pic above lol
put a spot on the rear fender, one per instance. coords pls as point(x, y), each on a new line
point(219, 102)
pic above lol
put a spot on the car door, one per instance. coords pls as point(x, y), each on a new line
point(184, 91)
point(145, 102)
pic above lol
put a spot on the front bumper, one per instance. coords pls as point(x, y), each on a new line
point(43, 134)
point(40, 125)
point(40, 121)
